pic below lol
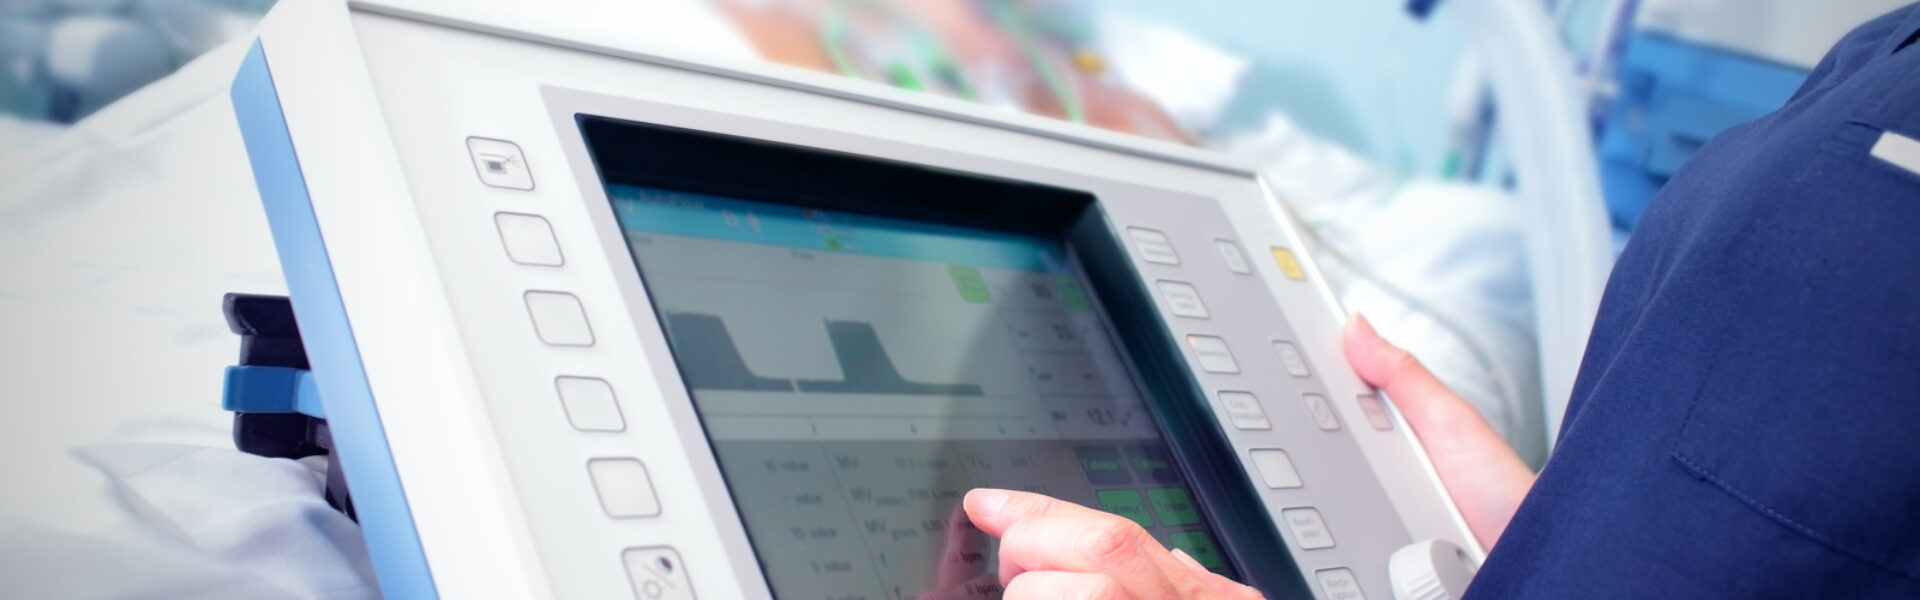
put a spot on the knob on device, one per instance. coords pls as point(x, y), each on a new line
point(1431, 570)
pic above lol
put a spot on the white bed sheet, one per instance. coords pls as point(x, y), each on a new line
point(118, 239)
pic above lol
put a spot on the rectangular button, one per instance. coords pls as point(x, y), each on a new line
point(1197, 544)
point(1376, 410)
point(657, 574)
point(1339, 584)
point(624, 488)
point(528, 239)
point(1154, 246)
point(559, 319)
point(1174, 506)
point(1324, 416)
point(1289, 264)
point(1231, 254)
point(1276, 468)
point(1126, 503)
point(589, 404)
point(1213, 354)
point(1291, 360)
point(1308, 530)
point(1183, 299)
point(1244, 410)
point(499, 163)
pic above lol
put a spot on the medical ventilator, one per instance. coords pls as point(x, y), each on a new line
point(590, 319)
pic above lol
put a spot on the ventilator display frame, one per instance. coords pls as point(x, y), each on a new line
point(391, 139)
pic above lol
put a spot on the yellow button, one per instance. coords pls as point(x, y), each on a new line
point(1289, 265)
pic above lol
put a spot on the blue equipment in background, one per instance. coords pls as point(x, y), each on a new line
point(1674, 95)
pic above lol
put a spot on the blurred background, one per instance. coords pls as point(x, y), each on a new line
point(1464, 169)
point(1382, 78)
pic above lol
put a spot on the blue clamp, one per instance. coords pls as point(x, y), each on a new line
point(272, 390)
point(276, 407)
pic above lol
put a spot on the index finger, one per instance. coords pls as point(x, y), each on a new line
point(963, 558)
point(993, 511)
point(1038, 533)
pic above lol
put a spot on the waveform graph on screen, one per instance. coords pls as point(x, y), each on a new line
point(710, 359)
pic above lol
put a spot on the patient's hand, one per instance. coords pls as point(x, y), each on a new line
point(1055, 549)
point(1484, 475)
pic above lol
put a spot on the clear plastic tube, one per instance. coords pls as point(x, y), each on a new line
point(1544, 127)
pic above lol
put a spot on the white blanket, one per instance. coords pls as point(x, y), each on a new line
point(118, 239)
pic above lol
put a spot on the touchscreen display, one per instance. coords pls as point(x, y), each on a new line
point(857, 375)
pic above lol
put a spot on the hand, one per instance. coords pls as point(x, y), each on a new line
point(1060, 550)
point(1484, 475)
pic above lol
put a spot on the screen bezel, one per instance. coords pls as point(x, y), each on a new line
point(630, 152)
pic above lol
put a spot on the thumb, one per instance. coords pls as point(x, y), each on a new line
point(1435, 413)
point(1413, 389)
point(1485, 477)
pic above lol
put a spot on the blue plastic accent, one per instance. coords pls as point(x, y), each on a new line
point(1674, 96)
point(360, 441)
point(254, 389)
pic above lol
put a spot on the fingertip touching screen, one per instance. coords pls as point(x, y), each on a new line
point(864, 341)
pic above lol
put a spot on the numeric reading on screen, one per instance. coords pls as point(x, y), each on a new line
point(857, 375)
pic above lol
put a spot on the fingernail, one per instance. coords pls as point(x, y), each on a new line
point(1185, 559)
point(988, 500)
point(1363, 326)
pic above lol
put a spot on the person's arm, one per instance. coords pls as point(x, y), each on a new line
point(1055, 549)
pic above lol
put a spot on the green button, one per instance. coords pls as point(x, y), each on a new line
point(1198, 545)
point(1103, 466)
point(1126, 503)
point(1173, 506)
point(973, 288)
point(1071, 294)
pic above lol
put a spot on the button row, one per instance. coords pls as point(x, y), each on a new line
point(623, 485)
point(1155, 247)
point(1310, 532)
point(1274, 466)
point(1216, 357)
point(1243, 409)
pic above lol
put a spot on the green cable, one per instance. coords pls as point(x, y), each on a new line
point(1022, 30)
point(834, 25)
point(833, 29)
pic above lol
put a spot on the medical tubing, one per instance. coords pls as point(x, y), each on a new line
point(1569, 251)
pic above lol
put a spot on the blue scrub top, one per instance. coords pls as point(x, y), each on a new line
point(1747, 421)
